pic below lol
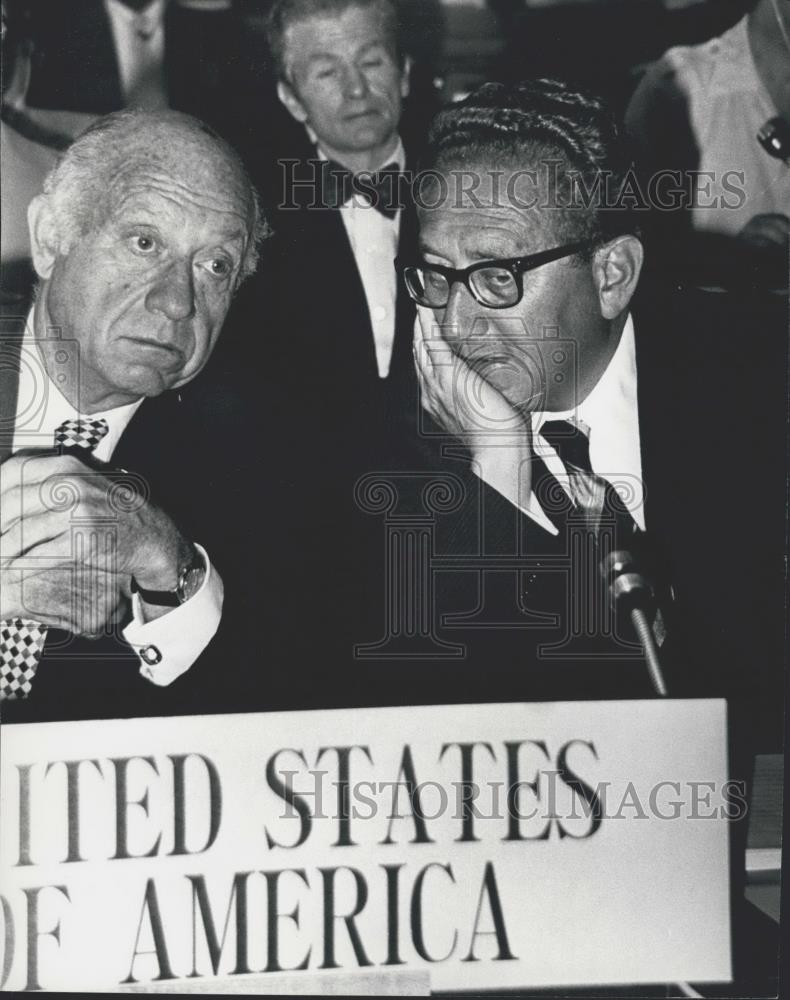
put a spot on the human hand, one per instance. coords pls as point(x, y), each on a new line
point(77, 598)
point(60, 517)
point(466, 405)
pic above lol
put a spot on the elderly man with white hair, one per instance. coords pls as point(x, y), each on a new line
point(144, 230)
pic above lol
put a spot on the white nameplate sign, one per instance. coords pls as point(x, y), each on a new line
point(489, 846)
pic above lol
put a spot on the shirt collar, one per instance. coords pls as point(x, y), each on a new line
point(150, 16)
point(56, 408)
point(610, 417)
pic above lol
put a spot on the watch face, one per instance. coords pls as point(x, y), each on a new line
point(190, 583)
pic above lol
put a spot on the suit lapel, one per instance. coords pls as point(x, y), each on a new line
point(405, 311)
point(358, 335)
point(9, 388)
point(13, 317)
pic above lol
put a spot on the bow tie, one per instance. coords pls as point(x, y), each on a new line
point(382, 189)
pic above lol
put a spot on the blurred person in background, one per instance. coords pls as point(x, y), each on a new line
point(99, 56)
point(336, 324)
point(67, 63)
point(701, 109)
point(343, 214)
point(29, 146)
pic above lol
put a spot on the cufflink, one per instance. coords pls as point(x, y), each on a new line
point(150, 655)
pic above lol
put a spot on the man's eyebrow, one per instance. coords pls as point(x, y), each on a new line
point(235, 236)
point(375, 43)
point(319, 56)
point(426, 249)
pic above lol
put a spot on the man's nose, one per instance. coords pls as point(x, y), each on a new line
point(355, 82)
point(173, 294)
point(458, 316)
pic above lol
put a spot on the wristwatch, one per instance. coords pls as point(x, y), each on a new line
point(190, 580)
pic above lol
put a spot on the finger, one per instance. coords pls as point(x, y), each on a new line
point(425, 394)
point(422, 361)
point(424, 323)
point(447, 368)
point(79, 599)
point(87, 545)
point(45, 596)
point(35, 465)
point(43, 484)
point(437, 346)
point(27, 533)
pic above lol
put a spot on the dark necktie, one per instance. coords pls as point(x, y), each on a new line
point(593, 496)
point(597, 501)
point(382, 188)
point(21, 639)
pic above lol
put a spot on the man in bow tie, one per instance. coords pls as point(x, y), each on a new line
point(339, 324)
point(145, 228)
point(343, 214)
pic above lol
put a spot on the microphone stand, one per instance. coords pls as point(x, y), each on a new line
point(630, 591)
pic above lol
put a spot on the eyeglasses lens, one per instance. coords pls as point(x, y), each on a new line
point(494, 286)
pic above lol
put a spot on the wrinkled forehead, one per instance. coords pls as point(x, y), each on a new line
point(487, 194)
point(324, 33)
point(183, 166)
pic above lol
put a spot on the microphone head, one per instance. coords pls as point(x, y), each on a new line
point(616, 563)
point(774, 137)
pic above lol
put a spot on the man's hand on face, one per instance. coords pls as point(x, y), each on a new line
point(78, 537)
point(467, 406)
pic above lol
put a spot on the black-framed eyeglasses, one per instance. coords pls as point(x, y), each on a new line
point(496, 284)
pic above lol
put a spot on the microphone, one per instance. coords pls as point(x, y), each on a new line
point(774, 137)
point(631, 592)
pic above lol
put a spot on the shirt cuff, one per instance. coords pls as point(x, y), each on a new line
point(168, 646)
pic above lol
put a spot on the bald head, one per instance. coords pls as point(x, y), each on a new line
point(131, 148)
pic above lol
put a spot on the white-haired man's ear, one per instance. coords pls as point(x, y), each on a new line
point(44, 235)
point(287, 97)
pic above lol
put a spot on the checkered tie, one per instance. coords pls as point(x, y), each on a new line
point(22, 640)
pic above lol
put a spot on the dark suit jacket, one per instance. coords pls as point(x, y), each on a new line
point(75, 68)
point(189, 447)
point(319, 328)
point(307, 315)
point(712, 379)
point(712, 382)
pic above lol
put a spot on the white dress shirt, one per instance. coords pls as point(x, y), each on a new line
point(139, 39)
point(374, 242)
point(610, 418)
point(180, 635)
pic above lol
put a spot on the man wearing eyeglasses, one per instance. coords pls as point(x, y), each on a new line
point(595, 408)
point(598, 414)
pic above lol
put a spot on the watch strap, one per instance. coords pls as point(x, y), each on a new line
point(178, 595)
